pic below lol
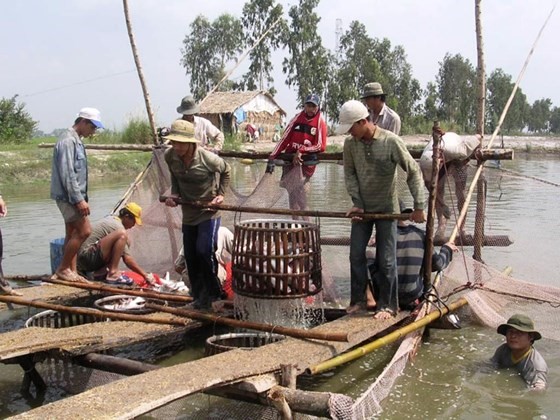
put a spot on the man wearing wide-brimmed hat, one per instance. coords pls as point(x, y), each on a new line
point(209, 136)
point(197, 175)
point(518, 351)
point(379, 113)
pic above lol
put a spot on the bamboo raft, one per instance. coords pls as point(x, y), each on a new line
point(172, 383)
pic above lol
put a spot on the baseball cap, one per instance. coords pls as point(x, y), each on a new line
point(313, 99)
point(521, 323)
point(136, 211)
point(350, 112)
point(93, 115)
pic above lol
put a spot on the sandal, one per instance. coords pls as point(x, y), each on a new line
point(121, 280)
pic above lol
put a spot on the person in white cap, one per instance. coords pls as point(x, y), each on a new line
point(69, 188)
point(371, 158)
point(379, 112)
point(197, 175)
point(209, 136)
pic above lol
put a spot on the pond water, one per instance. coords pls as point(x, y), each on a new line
point(448, 378)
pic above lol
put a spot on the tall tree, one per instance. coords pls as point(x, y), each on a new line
point(16, 124)
point(555, 120)
point(356, 67)
point(500, 86)
point(539, 116)
point(258, 16)
point(206, 50)
point(307, 66)
point(456, 82)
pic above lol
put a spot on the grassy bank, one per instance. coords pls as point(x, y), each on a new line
point(30, 164)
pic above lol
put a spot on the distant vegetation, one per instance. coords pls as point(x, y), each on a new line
point(210, 47)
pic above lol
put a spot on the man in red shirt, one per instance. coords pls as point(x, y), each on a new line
point(304, 137)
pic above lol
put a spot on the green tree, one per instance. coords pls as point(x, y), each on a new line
point(16, 124)
point(500, 86)
point(555, 120)
point(430, 102)
point(207, 49)
point(308, 64)
point(258, 17)
point(539, 116)
point(456, 84)
point(353, 70)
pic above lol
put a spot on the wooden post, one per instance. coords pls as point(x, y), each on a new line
point(114, 364)
point(432, 195)
point(140, 72)
point(289, 376)
point(481, 184)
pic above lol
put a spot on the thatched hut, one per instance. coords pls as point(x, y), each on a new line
point(232, 111)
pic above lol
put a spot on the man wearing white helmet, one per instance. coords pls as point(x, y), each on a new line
point(371, 158)
point(69, 187)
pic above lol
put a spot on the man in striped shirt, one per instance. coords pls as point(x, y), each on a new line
point(371, 158)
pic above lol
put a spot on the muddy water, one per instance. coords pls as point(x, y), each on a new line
point(448, 379)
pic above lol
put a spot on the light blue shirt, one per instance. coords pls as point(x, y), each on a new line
point(69, 169)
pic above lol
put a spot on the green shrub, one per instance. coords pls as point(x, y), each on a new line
point(137, 131)
point(16, 125)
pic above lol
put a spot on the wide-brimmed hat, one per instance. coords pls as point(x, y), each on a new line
point(521, 323)
point(350, 112)
point(182, 131)
point(372, 89)
point(188, 106)
point(93, 115)
point(136, 211)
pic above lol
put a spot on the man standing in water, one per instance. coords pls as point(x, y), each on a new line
point(69, 185)
point(371, 157)
point(518, 351)
point(5, 287)
point(197, 175)
point(306, 135)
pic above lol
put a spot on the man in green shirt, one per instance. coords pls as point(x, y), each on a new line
point(371, 158)
point(197, 175)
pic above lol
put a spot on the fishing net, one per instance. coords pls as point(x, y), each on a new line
point(492, 295)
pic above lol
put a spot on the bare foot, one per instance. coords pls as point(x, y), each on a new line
point(353, 309)
point(68, 275)
point(384, 314)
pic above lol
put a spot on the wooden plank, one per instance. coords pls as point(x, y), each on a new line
point(174, 382)
point(83, 339)
point(50, 293)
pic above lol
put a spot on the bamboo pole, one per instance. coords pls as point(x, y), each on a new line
point(463, 212)
point(145, 293)
point(140, 72)
point(383, 341)
point(432, 197)
point(487, 154)
point(291, 332)
point(287, 212)
point(94, 312)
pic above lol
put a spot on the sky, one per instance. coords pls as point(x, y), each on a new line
point(62, 55)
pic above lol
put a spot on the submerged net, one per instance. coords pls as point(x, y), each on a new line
point(492, 296)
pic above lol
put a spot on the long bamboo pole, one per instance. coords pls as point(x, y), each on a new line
point(150, 294)
point(140, 72)
point(494, 154)
point(288, 212)
point(468, 198)
point(93, 312)
point(383, 341)
point(291, 332)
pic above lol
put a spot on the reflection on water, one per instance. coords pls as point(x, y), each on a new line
point(447, 379)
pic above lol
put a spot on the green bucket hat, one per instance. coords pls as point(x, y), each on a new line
point(520, 323)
